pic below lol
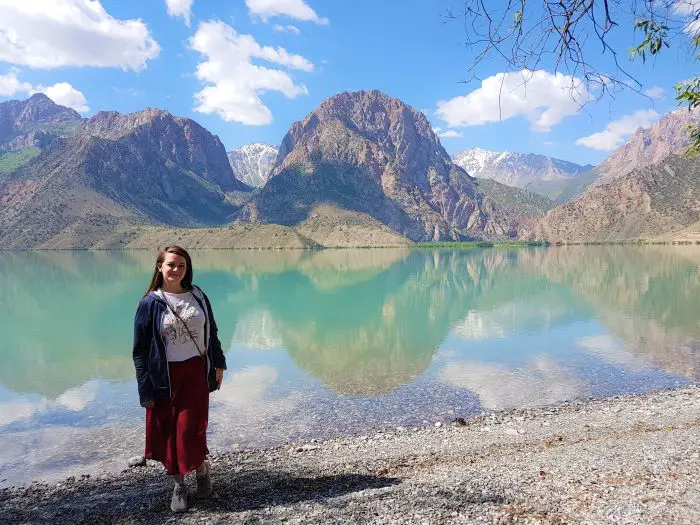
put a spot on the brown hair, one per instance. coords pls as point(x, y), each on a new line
point(157, 279)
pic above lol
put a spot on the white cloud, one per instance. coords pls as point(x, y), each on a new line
point(481, 325)
point(693, 27)
point(181, 8)
point(616, 132)
point(613, 351)
point(297, 9)
point(233, 82)
point(74, 399)
point(132, 92)
point(655, 92)
point(11, 85)
point(447, 134)
point(64, 94)
point(500, 387)
point(689, 9)
point(257, 329)
point(48, 34)
point(286, 29)
point(61, 93)
point(545, 99)
point(245, 393)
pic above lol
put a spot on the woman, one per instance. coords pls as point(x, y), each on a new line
point(178, 360)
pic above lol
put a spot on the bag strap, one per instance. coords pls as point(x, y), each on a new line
point(201, 354)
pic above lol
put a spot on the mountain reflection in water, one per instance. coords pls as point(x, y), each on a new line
point(361, 321)
point(334, 341)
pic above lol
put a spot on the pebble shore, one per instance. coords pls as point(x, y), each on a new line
point(624, 460)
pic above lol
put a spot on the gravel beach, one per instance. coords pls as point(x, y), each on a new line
point(633, 459)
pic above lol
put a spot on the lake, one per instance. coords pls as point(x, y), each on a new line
point(322, 343)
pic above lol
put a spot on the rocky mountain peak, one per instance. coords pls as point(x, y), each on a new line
point(34, 122)
point(650, 145)
point(252, 163)
point(644, 203)
point(517, 169)
point(475, 159)
point(395, 129)
point(179, 140)
point(368, 152)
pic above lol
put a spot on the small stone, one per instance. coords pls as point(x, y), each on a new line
point(137, 461)
point(438, 424)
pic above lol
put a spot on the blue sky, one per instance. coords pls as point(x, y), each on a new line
point(247, 69)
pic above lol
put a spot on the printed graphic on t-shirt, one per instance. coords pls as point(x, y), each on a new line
point(174, 329)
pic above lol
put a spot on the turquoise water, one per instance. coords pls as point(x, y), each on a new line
point(338, 341)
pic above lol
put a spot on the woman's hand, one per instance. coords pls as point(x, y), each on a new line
point(150, 404)
point(219, 377)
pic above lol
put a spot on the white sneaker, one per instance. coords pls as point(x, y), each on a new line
point(178, 503)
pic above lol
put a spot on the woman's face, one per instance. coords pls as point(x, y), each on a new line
point(173, 269)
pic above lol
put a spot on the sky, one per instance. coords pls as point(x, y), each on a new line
point(247, 69)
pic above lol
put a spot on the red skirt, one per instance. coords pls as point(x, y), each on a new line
point(176, 430)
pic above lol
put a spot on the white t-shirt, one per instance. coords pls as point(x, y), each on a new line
point(178, 343)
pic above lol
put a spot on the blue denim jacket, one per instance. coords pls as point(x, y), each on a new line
point(150, 360)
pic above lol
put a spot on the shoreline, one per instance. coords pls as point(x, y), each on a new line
point(626, 459)
point(457, 245)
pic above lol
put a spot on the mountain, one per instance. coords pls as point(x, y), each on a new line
point(518, 203)
point(143, 168)
point(369, 153)
point(645, 147)
point(252, 163)
point(517, 169)
point(34, 122)
point(648, 202)
point(29, 126)
point(649, 145)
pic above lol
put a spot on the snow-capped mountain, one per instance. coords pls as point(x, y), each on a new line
point(517, 169)
point(252, 163)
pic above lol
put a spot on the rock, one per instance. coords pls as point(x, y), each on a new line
point(137, 461)
point(516, 169)
point(649, 202)
point(391, 166)
point(252, 163)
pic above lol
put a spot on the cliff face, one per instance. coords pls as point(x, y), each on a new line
point(146, 167)
point(35, 122)
point(252, 163)
point(367, 152)
point(156, 135)
point(649, 145)
point(648, 202)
